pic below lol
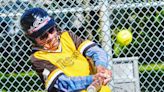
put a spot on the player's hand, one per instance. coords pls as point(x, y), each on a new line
point(106, 74)
point(98, 80)
point(100, 77)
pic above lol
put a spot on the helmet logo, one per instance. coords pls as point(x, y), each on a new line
point(38, 23)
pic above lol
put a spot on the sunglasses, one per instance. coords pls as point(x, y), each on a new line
point(45, 35)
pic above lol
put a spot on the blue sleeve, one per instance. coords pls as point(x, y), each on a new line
point(99, 56)
point(70, 84)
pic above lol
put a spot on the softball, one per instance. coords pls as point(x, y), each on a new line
point(124, 37)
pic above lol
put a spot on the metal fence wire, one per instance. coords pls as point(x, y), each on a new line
point(97, 20)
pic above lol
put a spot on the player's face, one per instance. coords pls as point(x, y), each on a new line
point(49, 40)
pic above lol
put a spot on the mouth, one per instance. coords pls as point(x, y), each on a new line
point(53, 45)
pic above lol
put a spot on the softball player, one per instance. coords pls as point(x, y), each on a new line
point(64, 62)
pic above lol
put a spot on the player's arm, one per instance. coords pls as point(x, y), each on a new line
point(75, 84)
point(97, 54)
point(100, 58)
point(70, 84)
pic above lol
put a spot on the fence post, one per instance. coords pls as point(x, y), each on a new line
point(106, 40)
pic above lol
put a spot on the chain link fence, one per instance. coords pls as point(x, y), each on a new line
point(98, 20)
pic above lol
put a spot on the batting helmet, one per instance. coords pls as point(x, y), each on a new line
point(36, 21)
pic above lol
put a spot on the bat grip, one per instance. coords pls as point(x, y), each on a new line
point(94, 87)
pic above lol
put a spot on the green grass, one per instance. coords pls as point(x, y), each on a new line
point(151, 67)
point(31, 73)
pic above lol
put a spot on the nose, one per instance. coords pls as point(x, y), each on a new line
point(50, 37)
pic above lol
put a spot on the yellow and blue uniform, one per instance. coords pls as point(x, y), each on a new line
point(70, 62)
